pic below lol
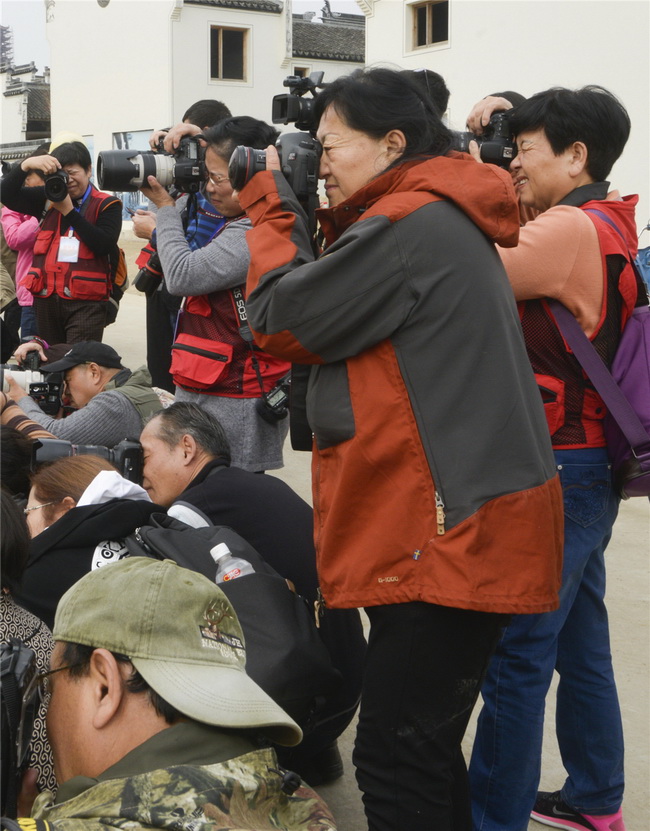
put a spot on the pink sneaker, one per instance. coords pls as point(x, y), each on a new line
point(551, 810)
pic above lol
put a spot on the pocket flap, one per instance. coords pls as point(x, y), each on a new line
point(199, 362)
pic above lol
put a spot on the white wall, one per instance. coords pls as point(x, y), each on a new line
point(11, 114)
point(528, 46)
point(109, 66)
point(139, 64)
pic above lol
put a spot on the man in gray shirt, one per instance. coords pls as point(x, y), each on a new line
point(112, 402)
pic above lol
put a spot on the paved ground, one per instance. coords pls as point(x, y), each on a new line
point(628, 593)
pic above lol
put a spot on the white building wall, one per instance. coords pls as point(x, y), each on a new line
point(139, 64)
point(528, 46)
point(110, 67)
point(12, 114)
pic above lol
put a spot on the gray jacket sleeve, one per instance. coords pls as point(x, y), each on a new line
point(221, 264)
point(107, 419)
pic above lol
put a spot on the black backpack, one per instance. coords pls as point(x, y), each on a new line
point(17, 668)
point(284, 652)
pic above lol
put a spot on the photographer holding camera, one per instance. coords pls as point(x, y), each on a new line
point(75, 253)
point(112, 402)
point(437, 504)
point(576, 251)
point(215, 363)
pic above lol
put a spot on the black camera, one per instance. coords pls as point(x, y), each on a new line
point(299, 159)
point(292, 107)
point(127, 170)
point(44, 389)
point(273, 406)
point(127, 456)
point(148, 279)
point(56, 186)
point(17, 669)
point(497, 145)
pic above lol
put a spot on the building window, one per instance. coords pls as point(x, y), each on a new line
point(430, 23)
point(227, 54)
point(301, 71)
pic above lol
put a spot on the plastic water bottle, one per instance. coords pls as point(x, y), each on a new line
point(229, 567)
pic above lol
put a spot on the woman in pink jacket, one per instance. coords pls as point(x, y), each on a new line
point(20, 232)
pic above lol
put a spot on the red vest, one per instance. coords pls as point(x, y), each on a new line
point(210, 356)
point(87, 279)
point(574, 410)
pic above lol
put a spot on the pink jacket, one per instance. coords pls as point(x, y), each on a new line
point(20, 232)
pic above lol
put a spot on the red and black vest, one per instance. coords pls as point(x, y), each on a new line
point(89, 278)
point(574, 410)
point(210, 356)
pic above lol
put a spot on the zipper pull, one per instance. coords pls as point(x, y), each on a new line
point(440, 514)
point(319, 605)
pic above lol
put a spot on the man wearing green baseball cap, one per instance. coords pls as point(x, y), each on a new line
point(152, 718)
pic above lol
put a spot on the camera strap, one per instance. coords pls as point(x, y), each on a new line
point(245, 331)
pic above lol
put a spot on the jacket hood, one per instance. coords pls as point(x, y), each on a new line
point(89, 524)
point(483, 192)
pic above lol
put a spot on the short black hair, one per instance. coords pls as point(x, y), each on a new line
point(591, 115)
point(433, 84)
point(228, 133)
point(78, 655)
point(73, 152)
point(375, 101)
point(15, 541)
point(16, 451)
point(182, 418)
point(206, 112)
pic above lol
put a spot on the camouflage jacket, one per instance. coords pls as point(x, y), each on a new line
point(241, 794)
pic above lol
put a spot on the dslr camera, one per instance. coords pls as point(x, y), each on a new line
point(127, 456)
point(127, 170)
point(497, 145)
point(299, 152)
point(44, 389)
point(273, 406)
point(56, 186)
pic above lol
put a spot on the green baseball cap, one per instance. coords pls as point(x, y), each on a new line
point(182, 635)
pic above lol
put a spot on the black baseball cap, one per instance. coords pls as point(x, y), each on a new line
point(85, 352)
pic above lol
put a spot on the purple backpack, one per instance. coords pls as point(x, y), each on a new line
point(625, 389)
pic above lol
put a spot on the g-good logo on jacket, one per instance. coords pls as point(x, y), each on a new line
point(393, 579)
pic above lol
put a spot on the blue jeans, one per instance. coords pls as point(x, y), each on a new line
point(506, 759)
point(28, 326)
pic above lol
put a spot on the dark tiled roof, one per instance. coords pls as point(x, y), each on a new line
point(250, 5)
point(38, 102)
point(328, 42)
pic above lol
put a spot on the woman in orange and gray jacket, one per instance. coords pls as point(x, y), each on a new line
point(437, 505)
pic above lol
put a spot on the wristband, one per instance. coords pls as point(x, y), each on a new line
point(41, 342)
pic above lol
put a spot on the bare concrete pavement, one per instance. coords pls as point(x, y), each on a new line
point(628, 594)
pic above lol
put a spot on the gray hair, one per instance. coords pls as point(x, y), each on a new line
point(184, 419)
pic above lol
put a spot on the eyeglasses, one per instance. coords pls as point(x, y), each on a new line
point(38, 507)
point(218, 180)
point(37, 691)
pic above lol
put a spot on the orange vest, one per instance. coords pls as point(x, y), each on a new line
point(89, 278)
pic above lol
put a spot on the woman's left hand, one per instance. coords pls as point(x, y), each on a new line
point(15, 392)
point(156, 193)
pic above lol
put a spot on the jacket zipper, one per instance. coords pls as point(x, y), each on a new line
point(204, 352)
point(440, 514)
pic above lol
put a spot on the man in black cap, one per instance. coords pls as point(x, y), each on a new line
point(112, 402)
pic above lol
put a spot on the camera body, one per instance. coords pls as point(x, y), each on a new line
point(299, 160)
point(496, 145)
point(127, 456)
point(127, 170)
point(56, 186)
point(44, 389)
point(273, 406)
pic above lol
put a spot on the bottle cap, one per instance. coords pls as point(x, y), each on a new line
point(219, 551)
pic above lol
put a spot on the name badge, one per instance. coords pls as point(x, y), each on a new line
point(68, 249)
